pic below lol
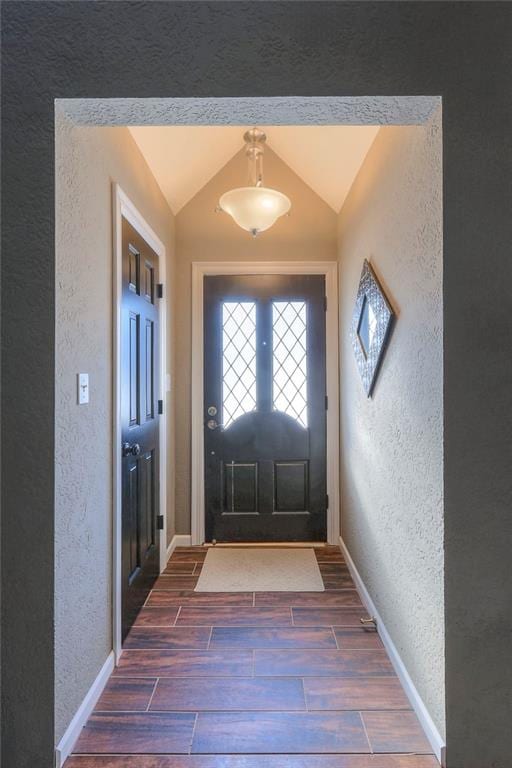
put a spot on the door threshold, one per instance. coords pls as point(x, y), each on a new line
point(281, 544)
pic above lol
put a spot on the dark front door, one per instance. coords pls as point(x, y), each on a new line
point(265, 408)
point(139, 422)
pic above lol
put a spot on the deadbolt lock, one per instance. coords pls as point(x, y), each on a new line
point(212, 411)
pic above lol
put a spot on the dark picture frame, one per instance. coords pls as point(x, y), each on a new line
point(372, 321)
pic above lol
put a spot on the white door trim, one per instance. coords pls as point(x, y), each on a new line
point(123, 207)
point(199, 270)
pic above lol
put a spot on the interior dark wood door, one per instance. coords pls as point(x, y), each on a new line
point(139, 417)
point(265, 408)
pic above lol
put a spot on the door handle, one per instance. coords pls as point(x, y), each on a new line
point(212, 424)
point(131, 450)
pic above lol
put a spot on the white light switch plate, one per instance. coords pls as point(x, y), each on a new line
point(83, 388)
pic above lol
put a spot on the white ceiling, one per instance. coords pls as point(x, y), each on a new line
point(184, 158)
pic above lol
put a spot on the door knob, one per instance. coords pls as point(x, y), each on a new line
point(212, 424)
point(133, 449)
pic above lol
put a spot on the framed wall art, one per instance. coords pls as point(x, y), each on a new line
point(372, 321)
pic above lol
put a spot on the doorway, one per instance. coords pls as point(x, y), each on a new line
point(301, 459)
point(140, 434)
point(140, 362)
point(265, 408)
point(198, 413)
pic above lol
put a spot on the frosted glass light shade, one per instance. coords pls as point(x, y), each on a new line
point(254, 208)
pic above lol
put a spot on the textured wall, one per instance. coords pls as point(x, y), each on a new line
point(460, 51)
point(203, 235)
point(88, 160)
point(392, 444)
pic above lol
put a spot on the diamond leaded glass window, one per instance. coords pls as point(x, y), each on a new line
point(289, 371)
point(238, 359)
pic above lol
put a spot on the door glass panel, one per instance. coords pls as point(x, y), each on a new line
point(289, 368)
point(238, 359)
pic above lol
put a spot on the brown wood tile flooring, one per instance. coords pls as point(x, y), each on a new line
point(252, 680)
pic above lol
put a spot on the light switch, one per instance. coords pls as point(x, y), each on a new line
point(83, 388)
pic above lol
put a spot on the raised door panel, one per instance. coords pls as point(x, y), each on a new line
point(131, 508)
point(149, 370)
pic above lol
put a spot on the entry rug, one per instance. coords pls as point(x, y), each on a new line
point(230, 569)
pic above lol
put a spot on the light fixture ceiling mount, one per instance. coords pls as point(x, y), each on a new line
point(254, 208)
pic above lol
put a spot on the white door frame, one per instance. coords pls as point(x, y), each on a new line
point(123, 207)
point(199, 270)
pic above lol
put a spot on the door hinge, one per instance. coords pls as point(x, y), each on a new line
point(326, 402)
point(159, 290)
point(327, 501)
point(160, 522)
point(325, 303)
point(160, 407)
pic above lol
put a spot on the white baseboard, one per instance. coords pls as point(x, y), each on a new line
point(266, 545)
point(431, 732)
point(68, 741)
point(178, 540)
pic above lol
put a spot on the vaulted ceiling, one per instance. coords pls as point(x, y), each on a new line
point(184, 158)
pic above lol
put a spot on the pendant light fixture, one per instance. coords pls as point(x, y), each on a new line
point(255, 207)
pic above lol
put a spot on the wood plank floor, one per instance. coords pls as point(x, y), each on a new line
point(252, 680)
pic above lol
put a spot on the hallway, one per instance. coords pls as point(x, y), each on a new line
point(207, 677)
